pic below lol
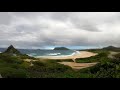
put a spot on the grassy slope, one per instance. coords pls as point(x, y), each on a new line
point(102, 56)
point(107, 68)
point(15, 67)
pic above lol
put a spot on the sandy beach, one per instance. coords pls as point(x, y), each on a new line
point(81, 54)
point(74, 65)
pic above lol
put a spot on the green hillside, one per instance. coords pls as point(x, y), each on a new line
point(14, 66)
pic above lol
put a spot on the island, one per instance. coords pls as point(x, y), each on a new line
point(61, 48)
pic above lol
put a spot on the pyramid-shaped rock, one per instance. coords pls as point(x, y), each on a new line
point(12, 50)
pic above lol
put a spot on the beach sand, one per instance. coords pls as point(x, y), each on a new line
point(78, 65)
point(81, 54)
point(74, 65)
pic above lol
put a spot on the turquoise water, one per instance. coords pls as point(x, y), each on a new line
point(35, 53)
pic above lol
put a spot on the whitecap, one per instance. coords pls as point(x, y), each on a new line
point(53, 54)
point(76, 52)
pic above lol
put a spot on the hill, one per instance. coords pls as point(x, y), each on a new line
point(112, 48)
point(12, 50)
point(61, 48)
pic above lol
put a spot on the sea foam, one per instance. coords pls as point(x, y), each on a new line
point(53, 54)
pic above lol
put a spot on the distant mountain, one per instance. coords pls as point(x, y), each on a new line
point(61, 48)
point(2, 49)
point(12, 50)
point(112, 48)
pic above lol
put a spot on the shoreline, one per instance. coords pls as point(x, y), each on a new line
point(73, 65)
point(57, 56)
point(79, 54)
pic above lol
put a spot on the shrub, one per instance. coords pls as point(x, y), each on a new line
point(38, 63)
point(10, 59)
point(8, 72)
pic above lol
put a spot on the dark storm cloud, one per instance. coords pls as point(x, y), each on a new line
point(39, 29)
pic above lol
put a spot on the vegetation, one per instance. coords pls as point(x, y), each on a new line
point(14, 66)
point(108, 68)
point(17, 68)
point(102, 56)
point(112, 48)
point(12, 51)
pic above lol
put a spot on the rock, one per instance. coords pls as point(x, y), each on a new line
point(12, 50)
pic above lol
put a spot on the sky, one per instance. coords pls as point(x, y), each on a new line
point(46, 30)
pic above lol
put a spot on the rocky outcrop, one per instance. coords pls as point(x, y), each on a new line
point(11, 50)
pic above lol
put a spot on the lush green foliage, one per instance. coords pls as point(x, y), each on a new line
point(15, 67)
point(101, 57)
point(109, 68)
point(106, 70)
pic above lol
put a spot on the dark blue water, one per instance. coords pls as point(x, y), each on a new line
point(47, 52)
point(32, 52)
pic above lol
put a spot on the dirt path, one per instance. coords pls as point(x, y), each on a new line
point(78, 65)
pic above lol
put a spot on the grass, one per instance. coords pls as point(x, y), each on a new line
point(102, 56)
point(15, 67)
point(107, 68)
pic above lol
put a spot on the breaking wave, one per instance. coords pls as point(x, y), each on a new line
point(53, 54)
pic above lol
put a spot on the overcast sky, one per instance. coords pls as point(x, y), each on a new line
point(47, 29)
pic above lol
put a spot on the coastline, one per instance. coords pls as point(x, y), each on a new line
point(79, 54)
point(73, 56)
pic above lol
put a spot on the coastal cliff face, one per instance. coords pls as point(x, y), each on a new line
point(61, 48)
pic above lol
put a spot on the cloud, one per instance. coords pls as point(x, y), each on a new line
point(41, 29)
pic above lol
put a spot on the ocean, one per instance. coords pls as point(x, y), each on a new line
point(35, 53)
point(39, 52)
